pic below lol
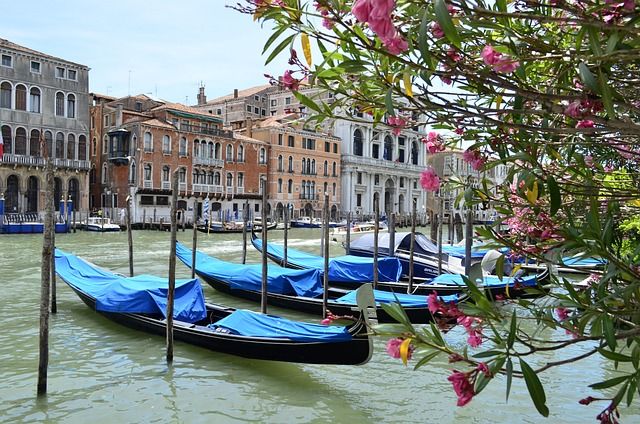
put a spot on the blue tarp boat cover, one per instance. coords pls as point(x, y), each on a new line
point(488, 280)
point(305, 282)
point(142, 294)
point(406, 300)
point(342, 269)
point(580, 261)
point(248, 323)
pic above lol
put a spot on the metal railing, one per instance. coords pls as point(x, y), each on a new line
point(219, 163)
point(24, 160)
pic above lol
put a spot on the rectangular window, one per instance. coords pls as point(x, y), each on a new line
point(292, 142)
point(375, 151)
point(279, 139)
point(257, 207)
point(7, 61)
point(162, 200)
point(376, 179)
point(274, 102)
point(106, 120)
point(335, 147)
point(35, 67)
point(359, 199)
point(263, 112)
point(146, 200)
point(256, 110)
point(138, 106)
point(359, 178)
point(256, 98)
point(287, 101)
point(327, 147)
point(60, 72)
point(248, 108)
point(72, 75)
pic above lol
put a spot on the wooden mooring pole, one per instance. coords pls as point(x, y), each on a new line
point(45, 280)
point(172, 265)
point(263, 291)
point(376, 232)
point(412, 245)
point(54, 291)
point(286, 235)
point(194, 241)
point(245, 223)
point(347, 239)
point(325, 253)
point(129, 236)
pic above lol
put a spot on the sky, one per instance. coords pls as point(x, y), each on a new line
point(159, 47)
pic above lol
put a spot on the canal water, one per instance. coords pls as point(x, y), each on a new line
point(101, 372)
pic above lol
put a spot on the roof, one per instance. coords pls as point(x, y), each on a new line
point(188, 110)
point(6, 44)
point(238, 136)
point(241, 93)
point(157, 123)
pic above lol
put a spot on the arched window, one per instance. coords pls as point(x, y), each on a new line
point(279, 185)
point(71, 147)
point(8, 139)
point(263, 156)
point(82, 148)
point(182, 175)
point(196, 148)
point(303, 190)
point(326, 168)
point(147, 172)
point(21, 142)
point(94, 146)
point(313, 167)
point(148, 142)
point(165, 173)
point(11, 194)
point(183, 146)
point(290, 186)
point(325, 188)
point(71, 106)
point(229, 179)
point(216, 179)
point(6, 93)
point(73, 189)
point(290, 163)
point(34, 100)
point(59, 104)
point(34, 143)
point(212, 151)
point(229, 155)
point(334, 189)
point(104, 173)
point(388, 148)
point(166, 144)
point(59, 146)
point(334, 171)
point(21, 97)
point(217, 151)
point(241, 153)
point(304, 166)
point(240, 179)
point(357, 143)
point(280, 163)
point(414, 153)
point(132, 173)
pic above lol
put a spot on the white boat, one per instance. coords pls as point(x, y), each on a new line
point(100, 224)
point(339, 234)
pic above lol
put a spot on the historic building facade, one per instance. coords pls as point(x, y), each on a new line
point(303, 166)
point(44, 111)
point(141, 141)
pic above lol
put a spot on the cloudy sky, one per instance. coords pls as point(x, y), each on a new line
point(165, 48)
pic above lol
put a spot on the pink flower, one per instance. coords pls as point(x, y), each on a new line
point(474, 158)
point(475, 337)
point(377, 13)
point(482, 367)
point(433, 142)
point(396, 44)
point(429, 180)
point(398, 123)
point(436, 30)
point(586, 123)
point(289, 81)
point(393, 348)
point(462, 387)
point(498, 61)
point(433, 302)
point(574, 110)
point(563, 313)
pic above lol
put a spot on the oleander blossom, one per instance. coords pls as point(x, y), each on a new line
point(377, 14)
point(393, 348)
point(289, 82)
point(474, 158)
point(433, 142)
point(397, 123)
point(498, 61)
point(429, 180)
point(462, 386)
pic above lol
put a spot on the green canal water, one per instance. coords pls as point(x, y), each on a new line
point(100, 372)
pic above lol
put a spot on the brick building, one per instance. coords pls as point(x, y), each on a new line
point(44, 104)
point(139, 141)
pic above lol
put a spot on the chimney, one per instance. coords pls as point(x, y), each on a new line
point(119, 115)
point(235, 93)
point(202, 98)
point(249, 126)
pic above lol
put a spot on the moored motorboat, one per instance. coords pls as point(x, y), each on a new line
point(100, 224)
point(140, 303)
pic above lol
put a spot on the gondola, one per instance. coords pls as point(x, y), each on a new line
point(140, 303)
point(344, 271)
point(228, 229)
point(300, 290)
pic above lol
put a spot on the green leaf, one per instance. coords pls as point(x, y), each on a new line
point(607, 97)
point(594, 40)
point(609, 332)
point(614, 356)
point(423, 39)
point(396, 312)
point(426, 359)
point(388, 102)
point(276, 51)
point(536, 391)
point(609, 383)
point(612, 42)
point(587, 78)
point(307, 101)
point(273, 38)
point(487, 354)
point(444, 19)
point(554, 195)
point(509, 377)
point(512, 330)
point(500, 267)
point(633, 386)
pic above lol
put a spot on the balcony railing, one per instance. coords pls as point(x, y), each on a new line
point(308, 197)
point(40, 161)
point(166, 185)
point(218, 163)
point(148, 184)
point(206, 130)
point(207, 188)
point(182, 186)
point(377, 163)
point(240, 190)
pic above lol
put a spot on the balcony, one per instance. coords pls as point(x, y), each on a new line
point(207, 188)
point(40, 161)
point(229, 190)
point(182, 186)
point(148, 184)
point(308, 197)
point(218, 163)
point(240, 190)
point(166, 185)
point(378, 163)
point(206, 130)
